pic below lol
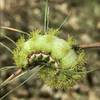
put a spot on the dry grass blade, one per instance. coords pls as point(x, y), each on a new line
point(12, 78)
point(33, 74)
point(6, 47)
point(7, 68)
point(13, 29)
point(9, 39)
point(46, 19)
point(65, 20)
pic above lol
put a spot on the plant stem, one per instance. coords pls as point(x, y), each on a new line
point(87, 46)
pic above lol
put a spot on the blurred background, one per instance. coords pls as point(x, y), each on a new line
point(83, 24)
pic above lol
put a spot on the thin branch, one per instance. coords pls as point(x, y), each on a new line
point(88, 46)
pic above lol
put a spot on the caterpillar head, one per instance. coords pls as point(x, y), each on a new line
point(62, 65)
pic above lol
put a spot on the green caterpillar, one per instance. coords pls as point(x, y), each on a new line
point(62, 65)
point(55, 60)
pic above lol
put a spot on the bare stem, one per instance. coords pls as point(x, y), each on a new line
point(88, 46)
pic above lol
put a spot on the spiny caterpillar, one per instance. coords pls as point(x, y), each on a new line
point(62, 65)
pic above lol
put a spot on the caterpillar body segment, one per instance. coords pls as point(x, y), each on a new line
point(61, 62)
